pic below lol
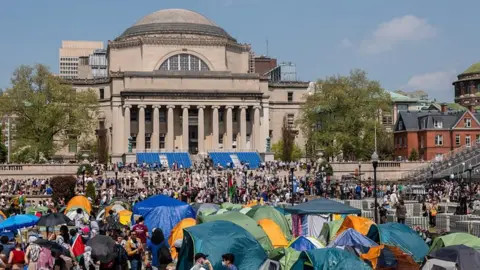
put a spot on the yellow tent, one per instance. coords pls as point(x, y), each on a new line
point(79, 201)
point(250, 204)
point(125, 217)
point(3, 215)
point(360, 224)
point(273, 232)
point(177, 233)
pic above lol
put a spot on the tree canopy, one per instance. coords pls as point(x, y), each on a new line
point(47, 113)
point(340, 116)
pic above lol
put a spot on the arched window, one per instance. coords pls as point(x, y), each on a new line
point(184, 62)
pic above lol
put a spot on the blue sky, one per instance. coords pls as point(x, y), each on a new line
point(406, 44)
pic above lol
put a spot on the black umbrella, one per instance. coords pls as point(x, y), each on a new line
point(53, 246)
point(54, 219)
point(103, 248)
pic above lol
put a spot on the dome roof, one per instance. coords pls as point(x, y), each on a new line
point(475, 68)
point(175, 21)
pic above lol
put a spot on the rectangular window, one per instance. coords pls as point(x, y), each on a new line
point(148, 114)
point(161, 116)
point(162, 140)
point(133, 114)
point(457, 139)
point(247, 115)
point(220, 139)
point(134, 140)
point(437, 123)
point(439, 140)
point(290, 96)
point(148, 140)
point(102, 93)
point(290, 120)
point(234, 116)
point(387, 120)
point(468, 140)
point(72, 144)
point(468, 122)
point(220, 115)
point(477, 138)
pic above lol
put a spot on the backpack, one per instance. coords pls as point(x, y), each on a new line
point(164, 255)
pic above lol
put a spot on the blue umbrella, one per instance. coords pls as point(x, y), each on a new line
point(18, 222)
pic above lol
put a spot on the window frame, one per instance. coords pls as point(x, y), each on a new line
point(184, 62)
point(438, 140)
point(469, 121)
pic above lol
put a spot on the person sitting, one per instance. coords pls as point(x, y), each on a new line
point(228, 261)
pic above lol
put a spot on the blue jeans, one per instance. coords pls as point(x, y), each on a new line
point(136, 264)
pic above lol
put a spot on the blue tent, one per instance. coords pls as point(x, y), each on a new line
point(303, 243)
point(322, 206)
point(217, 238)
point(352, 238)
point(399, 235)
point(18, 222)
point(162, 212)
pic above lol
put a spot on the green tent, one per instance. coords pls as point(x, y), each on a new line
point(287, 216)
point(285, 256)
point(455, 239)
point(246, 223)
point(329, 231)
point(329, 258)
point(260, 212)
point(34, 209)
point(245, 210)
point(217, 238)
point(230, 206)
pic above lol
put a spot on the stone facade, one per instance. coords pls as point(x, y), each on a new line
point(181, 89)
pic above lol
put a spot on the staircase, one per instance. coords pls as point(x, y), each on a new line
point(236, 161)
point(456, 162)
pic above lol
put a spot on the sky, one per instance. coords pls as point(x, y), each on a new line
point(406, 44)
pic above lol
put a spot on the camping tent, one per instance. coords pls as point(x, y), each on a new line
point(362, 225)
point(79, 201)
point(177, 233)
point(162, 212)
point(273, 232)
point(125, 216)
point(455, 239)
point(104, 213)
point(303, 243)
point(399, 235)
point(329, 258)
point(329, 230)
point(217, 238)
point(231, 206)
point(245, 222)
point(464, 257)
point(205, 208)
point(322, 206)
point(261, 212)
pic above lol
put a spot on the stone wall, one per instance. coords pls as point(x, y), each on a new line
point(23, 171)
point(385, 170)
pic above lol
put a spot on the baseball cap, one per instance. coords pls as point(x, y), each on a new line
point(200, 255)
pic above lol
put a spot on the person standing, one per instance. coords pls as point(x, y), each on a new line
point(201, 262)
point(401, 212)
point(134, 250)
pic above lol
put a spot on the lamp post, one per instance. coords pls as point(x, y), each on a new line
point(116, 181)
point(292, 169)
point(375, 164)
point(84, 168)
point(431, 171)
point(360, 172)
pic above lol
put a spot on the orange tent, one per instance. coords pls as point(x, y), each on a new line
point(79, 201)
point(3, 215)
point(177, 233)
point(273, 232)
point(360, 224)
point(250, 204)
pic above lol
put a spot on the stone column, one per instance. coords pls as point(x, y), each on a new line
point(185, 128)
point(201, 130)
point(170, 129)
point(243, 128)
point(155, 139)
point(229, 128)
point(126, 127)
point(215, 127)
point(256, 128)
point(115, 130)
point(141, 128)
point(265, 126)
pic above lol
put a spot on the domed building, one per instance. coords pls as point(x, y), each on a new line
point(467, 87)
point(178, 82)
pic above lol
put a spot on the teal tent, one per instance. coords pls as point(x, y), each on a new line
point(322, 206)
point(329, 259)
point(402, 236)
point(217, 238)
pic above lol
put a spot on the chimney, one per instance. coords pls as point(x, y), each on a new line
point(471, 108)
point(444, 107)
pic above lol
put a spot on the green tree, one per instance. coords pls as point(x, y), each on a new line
point(90, 191)
point(413, 155)
point(277, 149)
point(288, 140)
point(345, 111)
point(63, 187)
point(48, 112)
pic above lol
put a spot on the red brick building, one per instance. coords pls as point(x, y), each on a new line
point(433, 133)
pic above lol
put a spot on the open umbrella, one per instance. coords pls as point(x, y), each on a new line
point(18, 222)
point(53, 246)
point(54, 219)
point(103, 248)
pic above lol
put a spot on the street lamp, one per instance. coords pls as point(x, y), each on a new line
point(469, 176)
point(431, 170)
point(360, 177)
point(83, 178)
point(292, 169)
point(84, 168)
point(375, 164)
point(116, 181)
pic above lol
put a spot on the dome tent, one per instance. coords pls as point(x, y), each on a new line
point(217, 238)
point(262, 212)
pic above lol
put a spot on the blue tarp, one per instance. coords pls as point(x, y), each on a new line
point(352, 238)
point(162, 212)
point(18, 222)
point(322, 206)
point(399, 235)
point(217, 238)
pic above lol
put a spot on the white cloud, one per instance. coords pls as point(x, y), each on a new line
point(396, 31)
point(437, 84)
point(346, 43)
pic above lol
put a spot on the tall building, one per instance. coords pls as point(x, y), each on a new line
point(93, 66)
point(70, 53)
point(284, 72)
point(178, 82)
point(467, 87)
point(264, 64)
